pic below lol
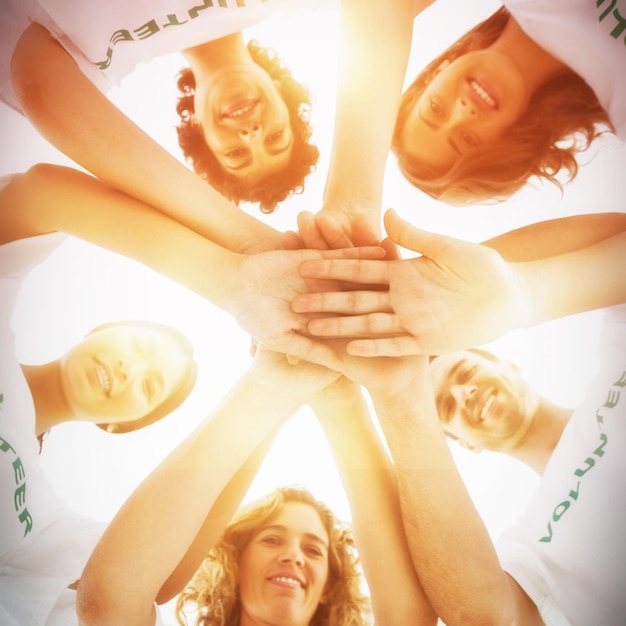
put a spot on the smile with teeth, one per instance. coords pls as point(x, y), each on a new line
point(482, 94)
point(484, 412)
point(286, 580)
point(240, 109)
point(103, 378)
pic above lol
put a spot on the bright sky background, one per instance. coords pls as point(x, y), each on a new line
point(81, 286)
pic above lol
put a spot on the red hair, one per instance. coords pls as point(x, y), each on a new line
point(562, 119)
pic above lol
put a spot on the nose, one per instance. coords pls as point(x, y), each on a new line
point(462, 394)
point(465, 108)
point(292, 554)
point(123, 370)
point(250, 131)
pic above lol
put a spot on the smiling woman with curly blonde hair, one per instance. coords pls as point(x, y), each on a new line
point(221, 595)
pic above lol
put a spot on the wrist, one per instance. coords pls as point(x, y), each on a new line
point(229, 271)
point(266, 240)
point(529, 292)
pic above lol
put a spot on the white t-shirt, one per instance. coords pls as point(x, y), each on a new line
point(107, 39)
point(568, 551)
point(590, 37)
point(44, 545)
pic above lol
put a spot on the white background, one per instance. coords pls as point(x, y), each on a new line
point(81, 286)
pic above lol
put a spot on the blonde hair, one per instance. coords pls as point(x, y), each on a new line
point(213, 592)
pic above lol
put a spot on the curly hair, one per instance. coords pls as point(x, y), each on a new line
point(275, 187)
point(213, 592)
point(562, 119)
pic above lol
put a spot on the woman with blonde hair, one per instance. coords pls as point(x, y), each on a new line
point(214, 588)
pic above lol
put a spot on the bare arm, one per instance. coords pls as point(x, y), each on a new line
point(581, 280)
point(559, 236)
point(441, 301)
point(450, 546)
point(71, 113)
point(226, 505)
point(255, 289)
point(375, 42)
point(367, 475)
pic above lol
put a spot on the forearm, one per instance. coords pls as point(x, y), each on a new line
point(578, 281)
point(367, 476)
point(160, 521)
point(218, 518)
point(71, 113)
point(52, 198)
point(375, 42)
point(451, 549)
point(559, 236)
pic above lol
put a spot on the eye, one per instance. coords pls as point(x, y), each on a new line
point(235, 152)
point(271, 540)
point(468, 140)
point(313, 551)
point(435, 107)
point(276, 136)
point(466, 374)
point(148, 388)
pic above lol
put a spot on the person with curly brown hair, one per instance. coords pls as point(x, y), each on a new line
point(249, 148)
point(256, 106)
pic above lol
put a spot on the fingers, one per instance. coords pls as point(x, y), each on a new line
point(348, 270)
point(333, 233)
point(362, 252)
point(310, 233)
point(408, 236)
point(345, 302)
point(299, 347)
point(400, 346)
point(370, 325)
point(392, 252)
point(291, 241)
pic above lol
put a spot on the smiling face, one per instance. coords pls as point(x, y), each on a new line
point(470, 103)
point(284, 568)
point(245, 122)
point(483, 403)
point(122, 372)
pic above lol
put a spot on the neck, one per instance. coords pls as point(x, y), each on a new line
point(47, 392)
point(535, 64)
point(539, 443)
point(215, 55)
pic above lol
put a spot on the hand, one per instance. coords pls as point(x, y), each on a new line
point(456, 295)
point(273, 369)
point(383, 376)
point(339, 228)
point(261, 292)
point(274, 240)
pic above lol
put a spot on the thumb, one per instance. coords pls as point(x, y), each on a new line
point(290, 240)
point(392, 252)
point(412, 238)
